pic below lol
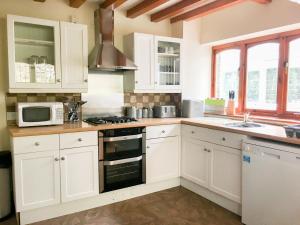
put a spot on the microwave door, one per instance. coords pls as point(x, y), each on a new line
point(36, 115)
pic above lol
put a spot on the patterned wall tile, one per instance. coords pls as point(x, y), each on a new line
point(141, 100)
point(13, 99)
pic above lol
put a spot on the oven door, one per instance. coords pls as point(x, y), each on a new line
point(123, 173)
point(124, 147)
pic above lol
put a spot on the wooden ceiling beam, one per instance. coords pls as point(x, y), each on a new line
point(205, 10)
point(263, 1)
point(180, 7)
point(144, 7)
point(76, 3)
point(113, 3)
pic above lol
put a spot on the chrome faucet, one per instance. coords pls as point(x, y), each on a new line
point(246, 117)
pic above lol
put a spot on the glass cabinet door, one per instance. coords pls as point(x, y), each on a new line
point(168, 58)
point(34, 53)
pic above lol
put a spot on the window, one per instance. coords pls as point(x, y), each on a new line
point(262, 76)
point(293, 90)
point(227, 72)
point(264, 72)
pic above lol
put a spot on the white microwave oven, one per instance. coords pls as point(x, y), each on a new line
point(31, 114)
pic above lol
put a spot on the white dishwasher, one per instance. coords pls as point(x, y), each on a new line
point(270, 183)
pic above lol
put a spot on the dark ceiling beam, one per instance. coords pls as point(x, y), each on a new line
point(263, 1)
point(76, 3)
point(205, 10)
point(114, 3)
point(144, 7)
point(178, 8)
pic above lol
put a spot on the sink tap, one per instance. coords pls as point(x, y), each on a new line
point(246, 117)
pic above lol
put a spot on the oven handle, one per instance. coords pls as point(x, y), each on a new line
point(122, 138)
point(123, 161)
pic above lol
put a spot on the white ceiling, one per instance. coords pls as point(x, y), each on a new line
point(130, 3)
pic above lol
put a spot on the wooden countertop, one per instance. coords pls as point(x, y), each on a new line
point(271, 132)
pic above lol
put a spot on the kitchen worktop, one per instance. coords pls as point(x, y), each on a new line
point(271, 132)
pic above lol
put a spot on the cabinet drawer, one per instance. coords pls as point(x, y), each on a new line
point(162, 131)
point(35, 143)
point(213, 136)
point(79, 139)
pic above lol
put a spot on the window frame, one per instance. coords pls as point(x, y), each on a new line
point(283, 39)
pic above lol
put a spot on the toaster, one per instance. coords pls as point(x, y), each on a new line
point(164, 111)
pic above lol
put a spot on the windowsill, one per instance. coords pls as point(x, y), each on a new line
point(260, 119)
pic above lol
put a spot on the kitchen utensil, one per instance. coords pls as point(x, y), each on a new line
point(73, 110)
point(145, 113)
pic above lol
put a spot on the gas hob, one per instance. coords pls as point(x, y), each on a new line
point(109, 120)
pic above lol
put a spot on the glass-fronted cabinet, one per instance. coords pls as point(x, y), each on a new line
point(168, 57)
point(33, 53)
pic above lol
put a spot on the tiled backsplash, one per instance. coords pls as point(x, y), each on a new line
point(141, 100)
point(12, 99)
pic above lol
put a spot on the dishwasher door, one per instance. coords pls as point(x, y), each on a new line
point(270, 186)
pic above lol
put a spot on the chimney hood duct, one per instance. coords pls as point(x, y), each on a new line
point(105, 56)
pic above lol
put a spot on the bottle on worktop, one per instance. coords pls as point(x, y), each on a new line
point(231, 104)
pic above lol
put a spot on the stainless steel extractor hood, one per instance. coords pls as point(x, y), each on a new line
point(105, 56)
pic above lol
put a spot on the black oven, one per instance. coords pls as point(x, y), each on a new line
point(122, 159)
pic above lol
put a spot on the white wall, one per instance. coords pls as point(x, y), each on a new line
point(248, 17)
point(196, 83)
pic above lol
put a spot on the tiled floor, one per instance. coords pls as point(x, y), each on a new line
point(176, 206)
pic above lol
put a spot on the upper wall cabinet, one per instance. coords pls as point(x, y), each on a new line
point(159, 61)
point(46, 56)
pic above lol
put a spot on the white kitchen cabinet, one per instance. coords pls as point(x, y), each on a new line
point(74, 56)
point(46, 56)
point(162, 159)
point(159, 62)
point(79, 173)
point(210, 165)
point(36, 180)
point(195, 161)
point(225, 171)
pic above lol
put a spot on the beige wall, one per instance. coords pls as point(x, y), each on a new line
point(248, 17)
point(59, 10)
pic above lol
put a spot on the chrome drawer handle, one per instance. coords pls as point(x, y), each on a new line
point(163, 131)
point(56, 159)
point(37, 144)
point(86, 80)
point(80, 139)
point(148, 146)
point(223, 139)
point(193, 132)
point(62, 158)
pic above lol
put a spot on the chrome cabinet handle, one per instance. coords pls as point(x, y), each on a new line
point(85, 80)
point(208, 150)
point(56, 159)
point(58, 80)
point(37, 144)
point(163, 131)
point(223, 139)
point(136, 82)
point(80, 139)
point(192, 132)
point(62, 158)
point(148, 147)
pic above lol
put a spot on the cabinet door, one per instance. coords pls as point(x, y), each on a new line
point(79, 173)
point(168, 63)
point(144, 59)
point(194, 161)
point(162, 159)
point(74, 56)
point(33, 54)
point(37, 180)
point(225, 171)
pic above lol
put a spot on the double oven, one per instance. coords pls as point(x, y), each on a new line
point(122, 158)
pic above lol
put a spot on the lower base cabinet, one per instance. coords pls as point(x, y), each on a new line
point(36, 180)
point(162, 159)
point(215, 167)
point(79, 173)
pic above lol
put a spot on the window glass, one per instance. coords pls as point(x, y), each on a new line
point(262, 76)
point(227, 73)
point(293, 91)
